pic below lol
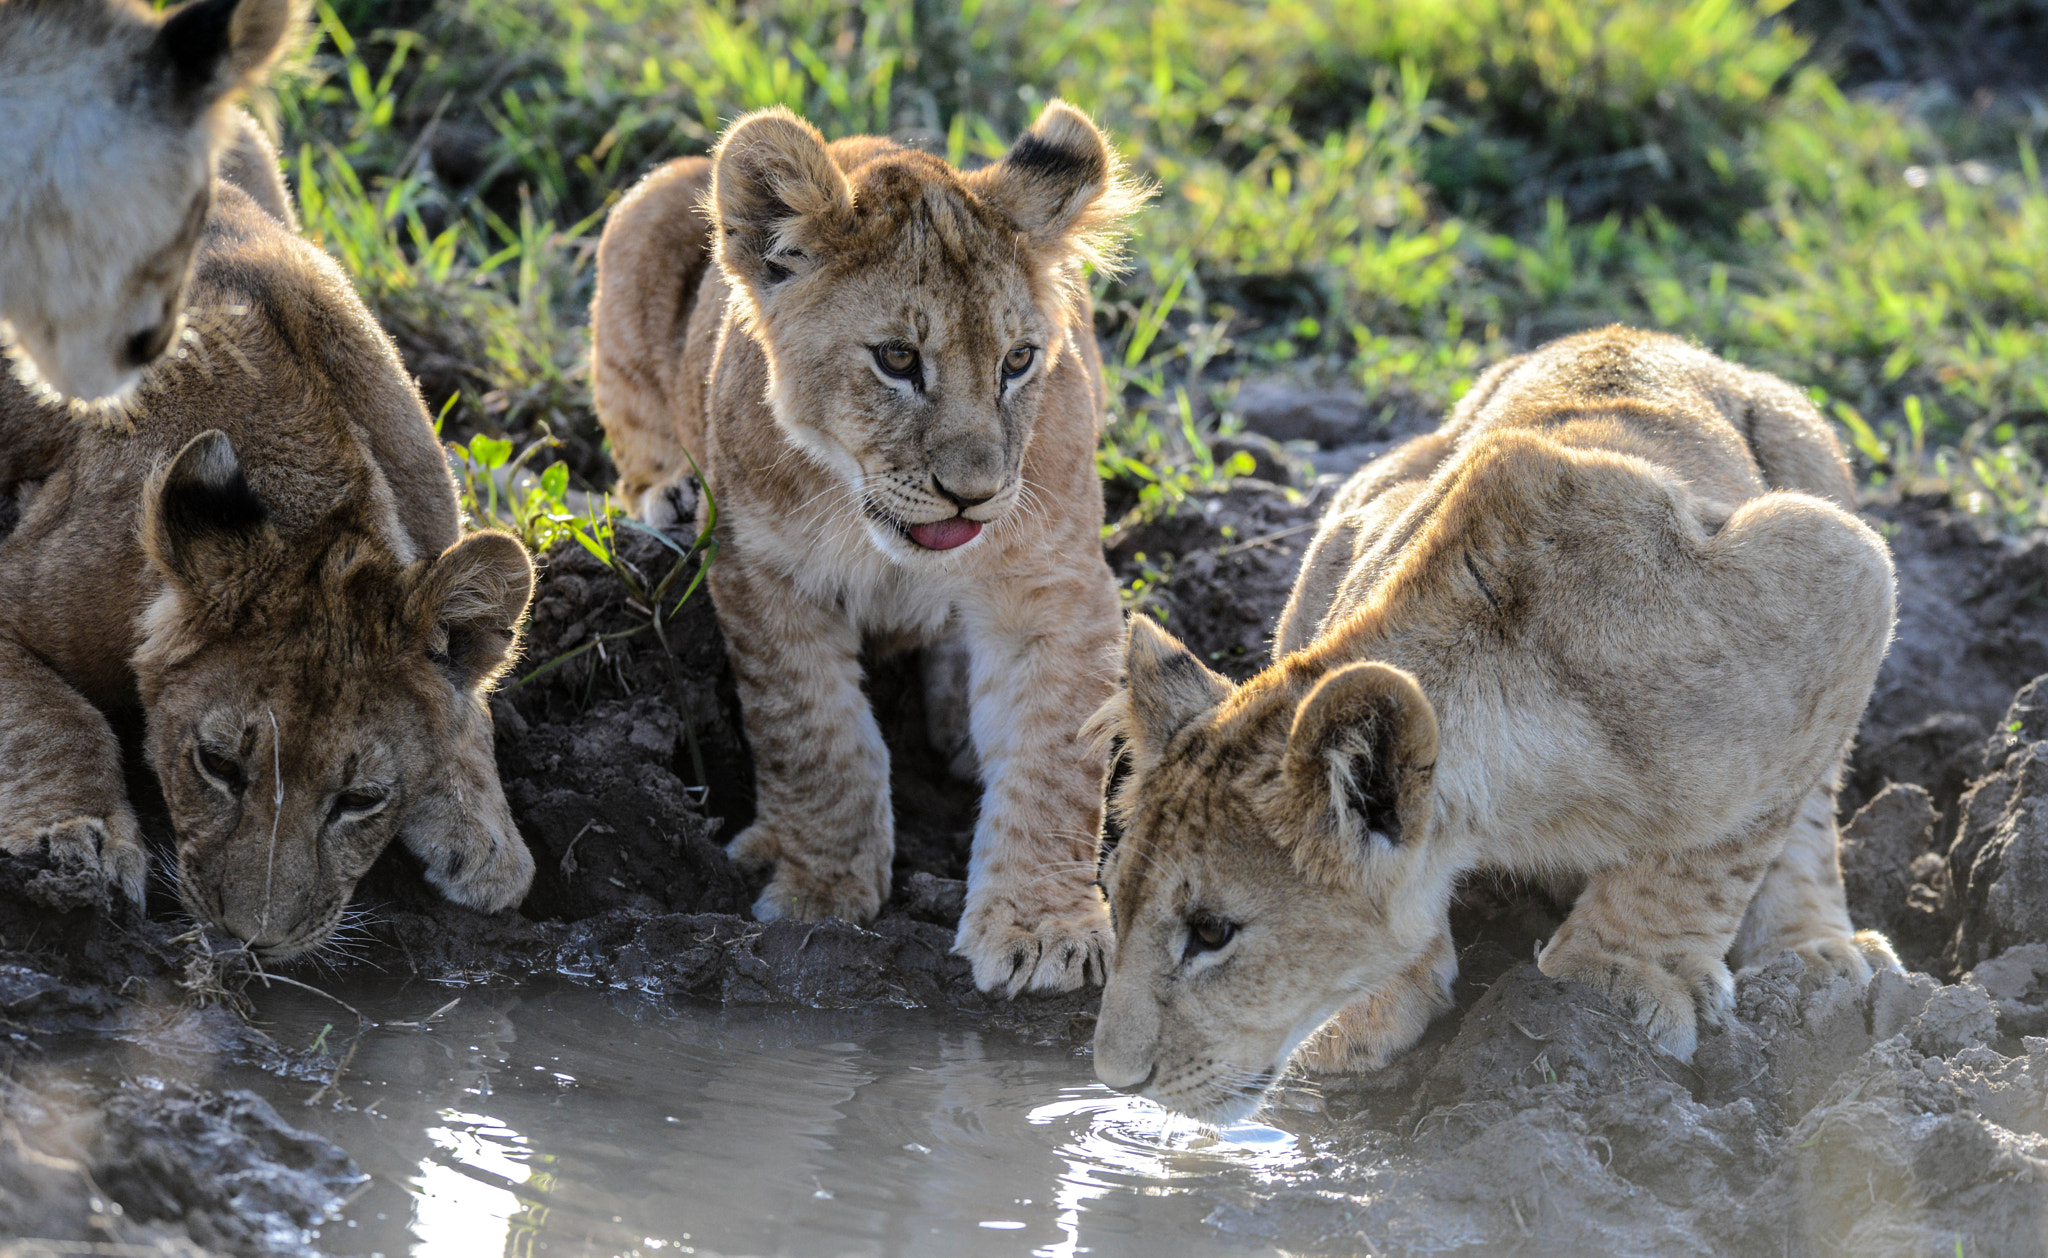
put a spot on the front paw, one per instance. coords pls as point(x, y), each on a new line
point(1019, 943)
point(1669, 1000)
point(808, 891)
point(109, 847)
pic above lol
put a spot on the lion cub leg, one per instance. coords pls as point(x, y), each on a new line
point(1653, 934)
point(822, 816)
point(60, 776)
point(1369, 1033)
point(1801, 907)
point(1034, 920)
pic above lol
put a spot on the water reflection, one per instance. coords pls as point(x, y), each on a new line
point(566, 1120)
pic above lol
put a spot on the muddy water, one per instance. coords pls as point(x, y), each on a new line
point(561, 1119)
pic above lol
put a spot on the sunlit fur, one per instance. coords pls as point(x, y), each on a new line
point(113, 114)
point(1609, 629)
point(270, 567)
point(741, 303)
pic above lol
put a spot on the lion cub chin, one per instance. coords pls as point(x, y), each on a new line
point(1613, 625)
point(271, 567)
point(113, 115)
point(886, 369)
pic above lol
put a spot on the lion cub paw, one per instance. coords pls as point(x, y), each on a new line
point(1670, 1000)
point(1858, 956)
point(1015, 950)
point(110, 846)
point(804, 892)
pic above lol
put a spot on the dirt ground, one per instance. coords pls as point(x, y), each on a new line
point(1895, 1118)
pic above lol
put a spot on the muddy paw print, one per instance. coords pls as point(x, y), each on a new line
point(1015, 951)
point(108, 847)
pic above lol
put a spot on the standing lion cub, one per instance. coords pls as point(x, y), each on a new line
point(1611, 628)
point(886, 369)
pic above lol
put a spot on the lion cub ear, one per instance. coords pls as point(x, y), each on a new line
point(202, 524)
point(209, 48)
point(470, 604)
point(1061, 183)
point(1164, 688)
point(1362, 755)
point(775, 197)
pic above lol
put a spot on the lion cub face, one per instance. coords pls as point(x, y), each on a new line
point(303, 692)
point(113, 115)
point(910, 314)
point(1275, 867)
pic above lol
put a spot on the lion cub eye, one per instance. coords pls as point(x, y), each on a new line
point(224, 771)
point(1207, 934)
point(898, 361)
point(1018, 361)
point(355, 804)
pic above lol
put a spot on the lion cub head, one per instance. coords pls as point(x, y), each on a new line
point(309, 692)
point(910, 313)
point(113, 115)
point(1276, 865)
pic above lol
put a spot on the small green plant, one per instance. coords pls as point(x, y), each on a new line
point(496, 488)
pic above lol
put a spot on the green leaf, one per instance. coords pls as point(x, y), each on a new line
point(489, 451)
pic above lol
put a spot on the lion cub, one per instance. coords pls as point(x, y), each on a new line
point(113, 115)
point(1611, 628)
point(887, 371)
point(271, 568)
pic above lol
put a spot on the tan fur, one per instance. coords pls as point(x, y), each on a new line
point(765, 369)
point(271, 569)
point(113, 114)
point(1610, 629)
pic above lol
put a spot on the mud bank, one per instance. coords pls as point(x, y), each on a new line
point(128, 1159)
point(1900, 1118)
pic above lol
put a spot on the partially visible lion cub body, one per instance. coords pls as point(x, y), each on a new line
point(1611, 628)
point(887, 371)
point(113, 115)
point(270, 567)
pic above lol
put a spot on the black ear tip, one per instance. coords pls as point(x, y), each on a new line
point(1052, 161)
point(192, 43)
point(207, 490)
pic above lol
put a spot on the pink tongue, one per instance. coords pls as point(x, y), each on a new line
point(946, 534)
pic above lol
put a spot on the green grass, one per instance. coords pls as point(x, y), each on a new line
point(1385, 192)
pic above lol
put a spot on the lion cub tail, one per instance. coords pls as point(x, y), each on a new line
point(651, 261)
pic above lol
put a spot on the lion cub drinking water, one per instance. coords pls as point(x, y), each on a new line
point(890, 380)
point(271, 568)
point(1610, 628)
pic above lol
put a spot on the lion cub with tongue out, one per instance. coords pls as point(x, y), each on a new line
point(886, 369)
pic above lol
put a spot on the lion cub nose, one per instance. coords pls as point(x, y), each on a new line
point(146, 347)
point(963, 502)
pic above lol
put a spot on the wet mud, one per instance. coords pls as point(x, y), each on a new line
point(1906, 1116)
